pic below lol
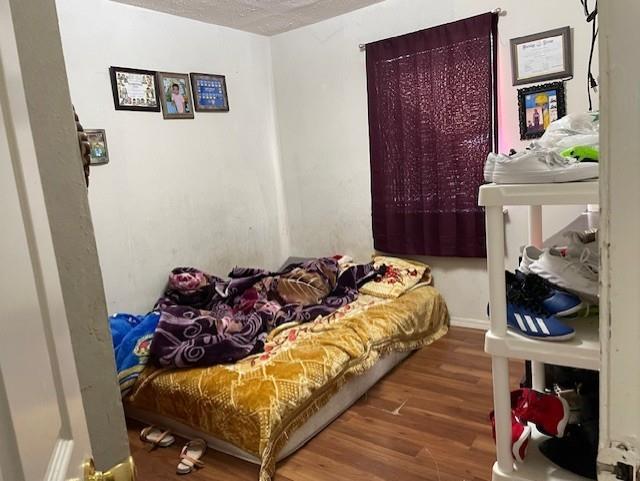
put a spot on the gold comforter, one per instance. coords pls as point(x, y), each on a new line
point(256, 403)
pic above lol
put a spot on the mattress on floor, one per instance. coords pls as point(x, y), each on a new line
point(353, 389)
point(256, 404)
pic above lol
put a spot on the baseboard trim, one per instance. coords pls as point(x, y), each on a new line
point(481, 324)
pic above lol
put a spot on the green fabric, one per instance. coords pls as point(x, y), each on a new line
point(584, 153)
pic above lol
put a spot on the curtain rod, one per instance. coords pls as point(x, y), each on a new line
point(499, 11)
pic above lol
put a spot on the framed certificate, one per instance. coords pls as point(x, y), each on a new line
point(134, 89)
point(209, 92)
point(542, 56)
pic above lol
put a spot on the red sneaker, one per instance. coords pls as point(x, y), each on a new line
point(520, 435)
point(548, 412)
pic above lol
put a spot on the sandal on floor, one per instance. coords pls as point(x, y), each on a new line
point(156, 437)
point(190, 456)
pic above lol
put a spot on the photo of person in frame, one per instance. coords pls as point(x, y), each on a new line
point(538, 106)
point(98, 150)
point(541, 110)
point(176, 96)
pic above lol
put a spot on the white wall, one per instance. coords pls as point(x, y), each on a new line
point(202, 192)
point(321, 105)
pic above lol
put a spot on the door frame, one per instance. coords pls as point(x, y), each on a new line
point(619, 234)
point(56, 146)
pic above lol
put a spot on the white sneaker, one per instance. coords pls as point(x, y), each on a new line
point(541, 166)
point(573, 274)
point(489, 166)
point(529, 255)
point(584, 246)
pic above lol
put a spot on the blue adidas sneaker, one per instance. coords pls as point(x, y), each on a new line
point(552, 300)
point(527, 315)
point(536, 325)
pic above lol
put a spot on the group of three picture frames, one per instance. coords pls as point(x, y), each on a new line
point(147, 90)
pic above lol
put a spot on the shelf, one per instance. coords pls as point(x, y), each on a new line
point(536, 467)
point(539, 194)
point(583, 351)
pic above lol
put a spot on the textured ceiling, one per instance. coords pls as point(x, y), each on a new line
point(266, 17)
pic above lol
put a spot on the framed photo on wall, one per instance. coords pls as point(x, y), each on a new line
point(538, 107)
point(134, 89)
point(210, 92)
point(99, 152)
point(542, 56)
point(175, 95)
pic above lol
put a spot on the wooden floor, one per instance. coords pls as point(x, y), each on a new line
point(425, 421)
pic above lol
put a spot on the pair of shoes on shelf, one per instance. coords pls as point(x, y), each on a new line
point(548, 412)
point(574, 267)
point(533, 307)
point(553, 283)
point(538, 166)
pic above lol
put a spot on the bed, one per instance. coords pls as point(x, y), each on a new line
point(267, 406)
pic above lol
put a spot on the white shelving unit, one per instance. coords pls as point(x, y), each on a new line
point(583, 351)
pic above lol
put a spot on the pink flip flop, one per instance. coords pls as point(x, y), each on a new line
point(190, 456)
point(156, 437)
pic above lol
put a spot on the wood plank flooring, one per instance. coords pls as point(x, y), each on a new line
point(425, 421)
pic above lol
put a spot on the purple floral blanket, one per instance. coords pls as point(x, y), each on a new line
point(205, 320)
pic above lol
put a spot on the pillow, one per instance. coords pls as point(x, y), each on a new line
point(400, 276)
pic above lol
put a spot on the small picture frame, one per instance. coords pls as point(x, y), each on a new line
point(542, 56)
point(538, 107)
point(134, 89)
point(175, 95)
point(99, 152)
point(209, 92)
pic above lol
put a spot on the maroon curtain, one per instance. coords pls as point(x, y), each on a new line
point(431, 126)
